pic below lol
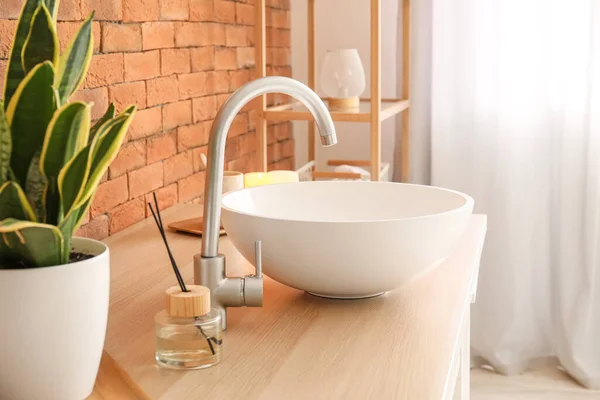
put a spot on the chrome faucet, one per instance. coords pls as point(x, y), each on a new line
point(209, 265)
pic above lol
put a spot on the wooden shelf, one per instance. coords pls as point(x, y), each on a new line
point(371, 111)
point(297, 112)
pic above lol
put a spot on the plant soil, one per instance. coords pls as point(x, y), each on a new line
point(75, 257)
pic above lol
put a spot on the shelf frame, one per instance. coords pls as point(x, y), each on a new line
point(377, 113)
point(260, 56)
point(286, 112)
point(405, 93)
point(375, 89)
point(312, 74)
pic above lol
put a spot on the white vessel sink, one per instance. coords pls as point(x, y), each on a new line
point(346, 239)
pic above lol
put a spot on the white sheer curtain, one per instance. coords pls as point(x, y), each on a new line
point(514, 112)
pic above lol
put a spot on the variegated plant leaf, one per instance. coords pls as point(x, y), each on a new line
point(13, 203)
point(28, 114)
point(26, 244)
point(72, 217)
point(42, 42)
point(108, 115)
point(5, 146)
point(67, 134)
point(35, 188)
point(14, 69)
point(72, 179)
point(110, 138)
point(74, 62)
point(71, 222)
point(52, 6)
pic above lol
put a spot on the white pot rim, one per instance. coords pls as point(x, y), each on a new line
point(77, 243)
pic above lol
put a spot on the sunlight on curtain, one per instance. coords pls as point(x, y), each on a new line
point(515, 122)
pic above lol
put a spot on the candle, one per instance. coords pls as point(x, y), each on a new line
point(284, 176)
point(232, 180)
point(252, 179)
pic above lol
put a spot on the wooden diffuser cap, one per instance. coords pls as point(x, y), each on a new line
point(194, 303)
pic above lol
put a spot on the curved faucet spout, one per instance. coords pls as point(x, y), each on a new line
point(218, 136)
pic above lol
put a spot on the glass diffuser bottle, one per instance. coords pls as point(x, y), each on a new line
point(188, 333)
point(343, 79)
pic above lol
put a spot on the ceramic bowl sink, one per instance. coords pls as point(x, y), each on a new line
point(346, 239)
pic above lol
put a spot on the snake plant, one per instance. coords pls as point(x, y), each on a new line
point(52, 157)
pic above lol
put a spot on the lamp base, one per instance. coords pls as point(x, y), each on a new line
point(346, 104)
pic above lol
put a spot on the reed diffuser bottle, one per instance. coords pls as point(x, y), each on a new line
point(188, 333)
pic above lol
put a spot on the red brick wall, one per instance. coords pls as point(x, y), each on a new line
point(178, 60)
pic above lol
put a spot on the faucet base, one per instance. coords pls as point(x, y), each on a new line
point(228, 292)
point(224, 292)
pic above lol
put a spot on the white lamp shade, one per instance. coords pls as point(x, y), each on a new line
point(342, 74)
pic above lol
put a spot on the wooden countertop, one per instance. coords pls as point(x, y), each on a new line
point(297, 346)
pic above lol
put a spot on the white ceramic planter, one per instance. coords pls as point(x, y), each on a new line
point(52, 327)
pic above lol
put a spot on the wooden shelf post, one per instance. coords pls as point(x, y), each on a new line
point(261, 71)
point(312, 73)
point(405, 124)
point(375, 89)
